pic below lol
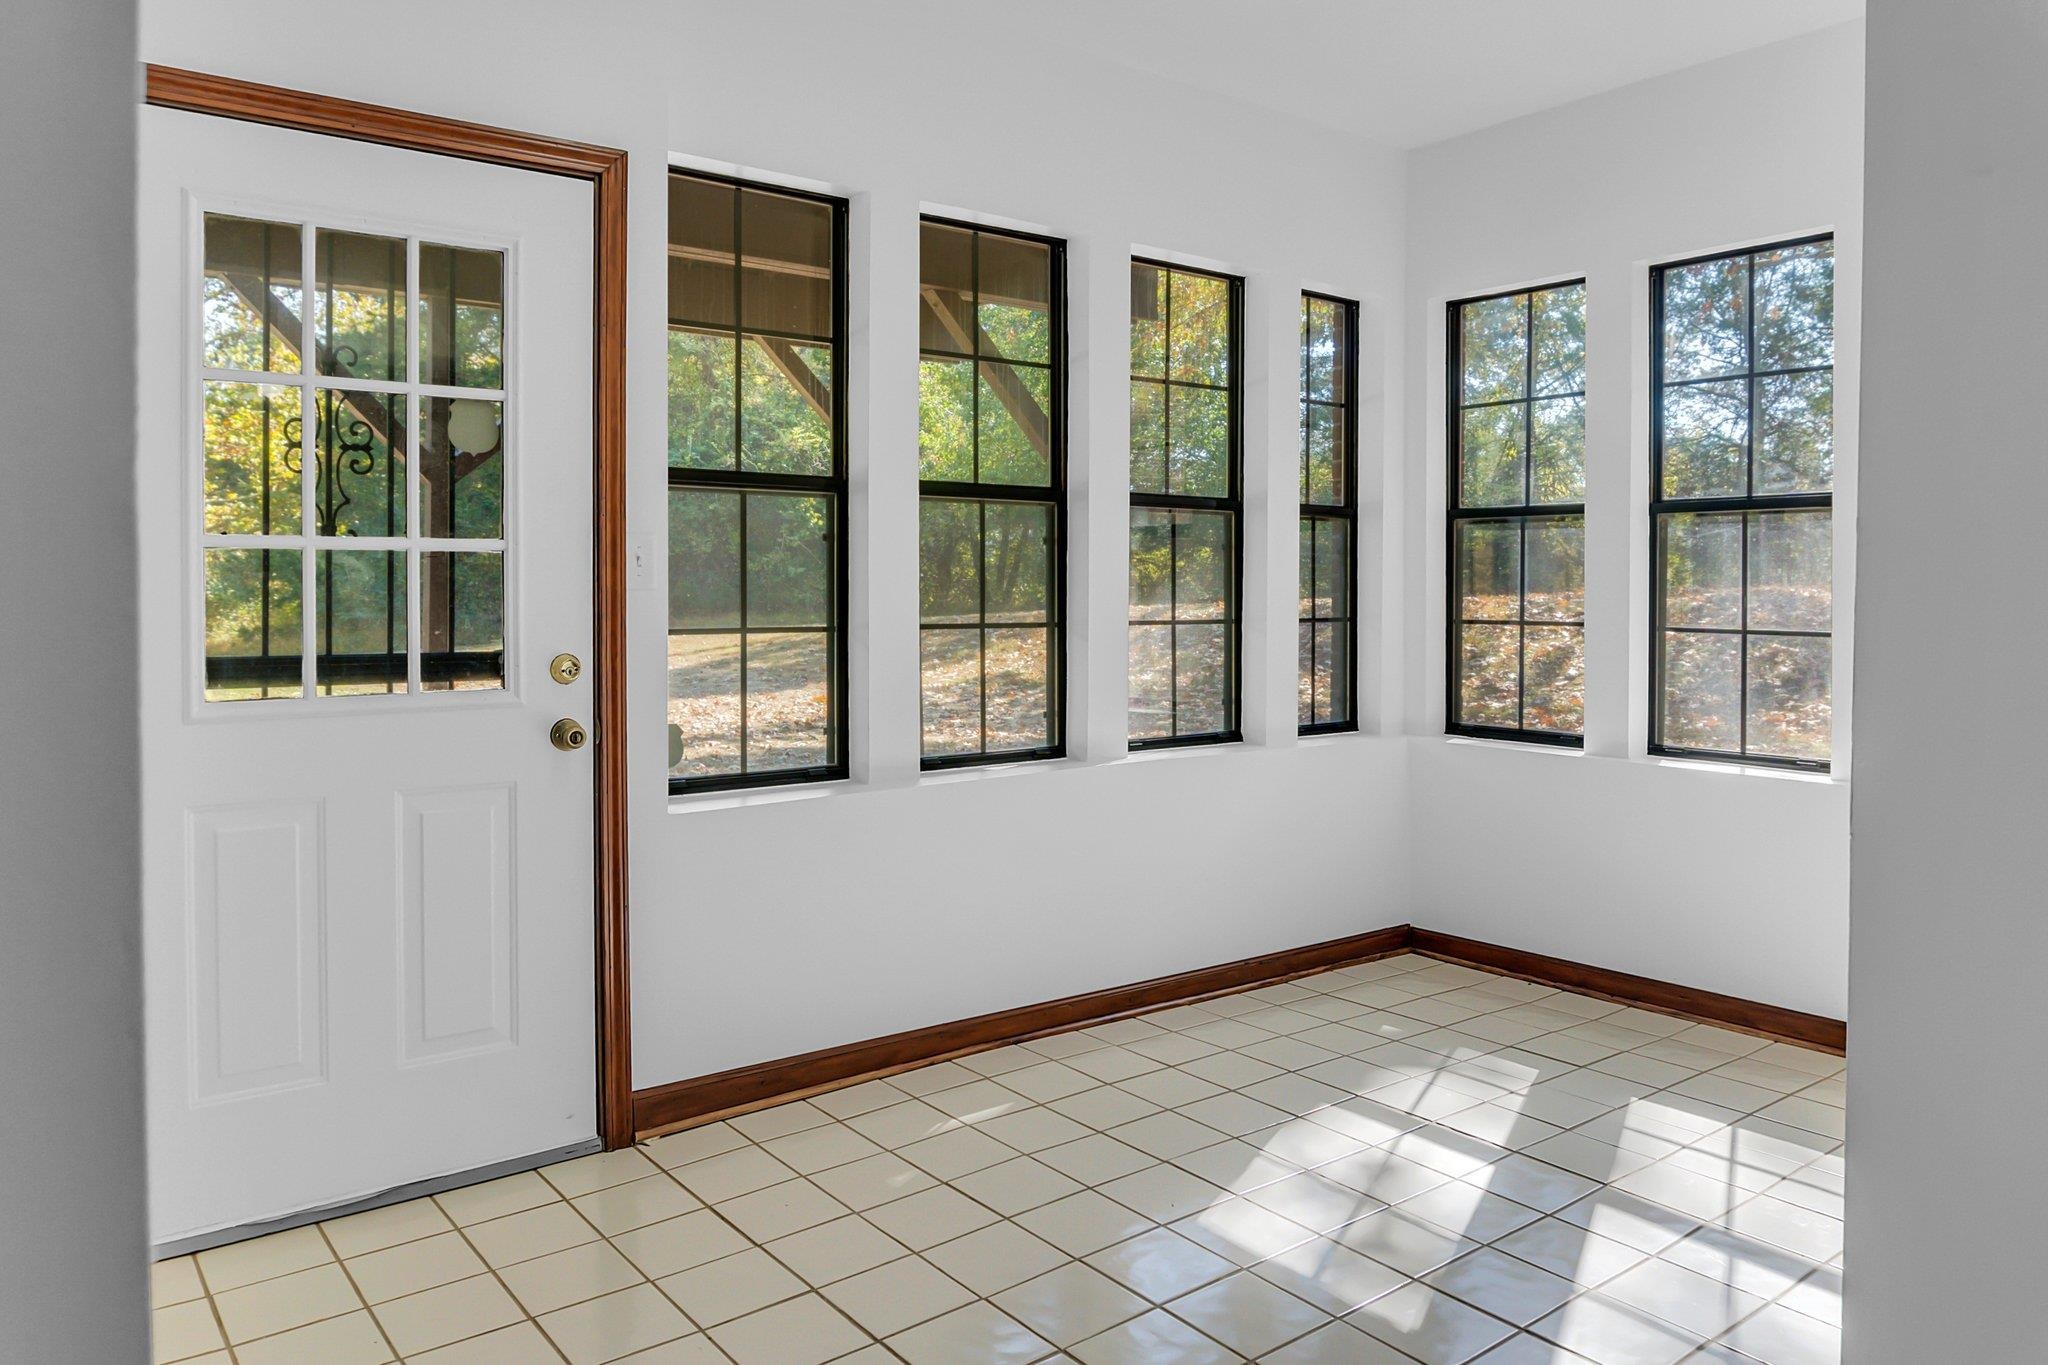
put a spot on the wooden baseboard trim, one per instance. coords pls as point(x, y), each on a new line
point(700, 1098)
point(681, 1104)
point(1665, 997)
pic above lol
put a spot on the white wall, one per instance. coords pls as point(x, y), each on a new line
point(770, 925)
point(73, 1245)
point(1731, 881)
point(1947, 1234)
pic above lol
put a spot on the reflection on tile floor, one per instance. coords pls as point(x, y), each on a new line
point(1399, 1161)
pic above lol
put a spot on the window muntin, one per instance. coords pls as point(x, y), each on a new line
point(383, 572)
point(757, 485)
point(992, 482)
point(1742, 508)
point(1516, 528)
point(1327, 639)
point(1187, 557)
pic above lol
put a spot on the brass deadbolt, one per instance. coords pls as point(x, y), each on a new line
point(565, 668)
point(568, 735)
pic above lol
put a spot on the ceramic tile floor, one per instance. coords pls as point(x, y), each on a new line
point(1403, 1160)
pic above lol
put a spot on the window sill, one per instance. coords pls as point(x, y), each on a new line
point(845, 788)
point(1327, 738)
point(763, 796)
point(1514, 746)
point(1709, 765)
point(990, 772)
point(1693, 765)
point(1166, 753)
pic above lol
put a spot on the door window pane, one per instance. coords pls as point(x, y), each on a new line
point(253, 459)
point(462, 316)
point(462, 621)
point(359, 305)
point(359, 473)
point(361, 622)
point(462, 475)
point(251, 295)
point(254, 640)
point(349, 469)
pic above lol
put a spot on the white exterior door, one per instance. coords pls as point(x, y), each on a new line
point(364, 481)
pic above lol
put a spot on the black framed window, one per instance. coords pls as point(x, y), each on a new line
point(992, 482)
point(757, 484)
point(1516, 533)
point(1328, 628)
point(1742, 504)
point(1187, 557)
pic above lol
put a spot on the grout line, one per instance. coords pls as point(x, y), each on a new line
point(361, 1297)
point(1471, 991)
point(462, 1231)
point(213, 1307)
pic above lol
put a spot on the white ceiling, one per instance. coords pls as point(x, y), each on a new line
point(1410, 72)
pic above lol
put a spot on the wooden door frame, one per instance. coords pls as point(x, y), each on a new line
point(605, 169)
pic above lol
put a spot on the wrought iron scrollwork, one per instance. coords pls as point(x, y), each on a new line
point(347, 444)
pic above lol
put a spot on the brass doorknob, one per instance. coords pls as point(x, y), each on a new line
point(568, 735)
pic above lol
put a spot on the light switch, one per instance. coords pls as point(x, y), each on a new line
point(639, 565)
